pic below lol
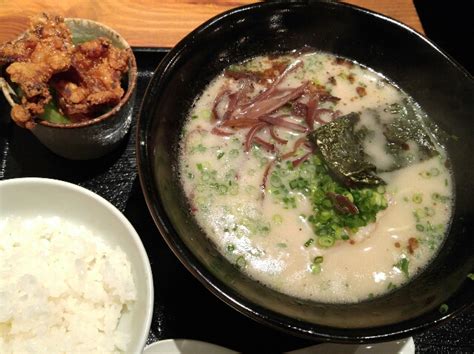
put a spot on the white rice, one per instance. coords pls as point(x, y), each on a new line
point(62, 289)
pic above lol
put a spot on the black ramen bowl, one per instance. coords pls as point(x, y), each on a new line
point(443, 89)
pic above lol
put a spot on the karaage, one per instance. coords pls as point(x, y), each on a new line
point(85, 78)
point(93, 81)
point(43, 50)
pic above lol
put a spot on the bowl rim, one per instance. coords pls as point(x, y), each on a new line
point(218, 288)
point(55, 183)
point(132, 74)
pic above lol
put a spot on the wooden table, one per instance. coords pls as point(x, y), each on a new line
point(159, 23)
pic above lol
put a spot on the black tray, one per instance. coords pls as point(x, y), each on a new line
point(183, 307)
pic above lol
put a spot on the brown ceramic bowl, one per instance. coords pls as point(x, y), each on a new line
point(99, 136)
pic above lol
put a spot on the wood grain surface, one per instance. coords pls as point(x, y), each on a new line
point(158, 23)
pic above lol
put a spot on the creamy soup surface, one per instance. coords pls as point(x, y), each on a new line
point(254, 176)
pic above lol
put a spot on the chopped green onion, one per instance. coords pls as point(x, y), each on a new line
point(443, 309)
point(277, 219)
point(318, 259)
point(417, 198)
point(391, 286)
point(418, 214)
point(434, 171)
point(425, 174)
point(198, 148)
point(325, 241)
point(429, 211)
point(440, 198)
point(336, 209)
point(222, 189)
point(240, 262)
point(205, 114)
point(309, 242)
point(403, 266)
point(315, 268)
point(275, 181)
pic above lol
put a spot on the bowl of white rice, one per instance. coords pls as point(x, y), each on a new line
point(74, 275)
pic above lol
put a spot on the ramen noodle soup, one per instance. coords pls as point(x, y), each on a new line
point(316, 176)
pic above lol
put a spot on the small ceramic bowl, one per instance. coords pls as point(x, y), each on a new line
point(32, 197)
point(99, 136)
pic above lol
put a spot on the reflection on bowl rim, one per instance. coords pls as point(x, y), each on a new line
point(132, 82)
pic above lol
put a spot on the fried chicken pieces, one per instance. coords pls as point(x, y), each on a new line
point(43, 50)
point(86, 78)
point(93, 79)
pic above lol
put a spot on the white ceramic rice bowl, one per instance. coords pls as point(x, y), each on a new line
point(30, 197)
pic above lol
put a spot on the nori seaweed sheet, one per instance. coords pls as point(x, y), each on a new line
point(342, 150)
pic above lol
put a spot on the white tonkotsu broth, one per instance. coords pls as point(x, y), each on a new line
point(269, 237)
